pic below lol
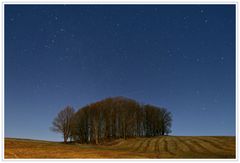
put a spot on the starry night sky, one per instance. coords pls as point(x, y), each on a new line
point(181, 57)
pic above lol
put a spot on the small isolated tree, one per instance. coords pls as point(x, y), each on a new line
point(62, 123)
point(166, 121)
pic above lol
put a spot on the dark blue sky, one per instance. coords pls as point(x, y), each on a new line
point(181, 57)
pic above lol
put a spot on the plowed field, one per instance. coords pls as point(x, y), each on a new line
point(157, 147)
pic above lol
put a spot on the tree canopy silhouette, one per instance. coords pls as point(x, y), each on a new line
point(118, 117)
point(62, 123)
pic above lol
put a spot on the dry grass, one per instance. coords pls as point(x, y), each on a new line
point(157, 147)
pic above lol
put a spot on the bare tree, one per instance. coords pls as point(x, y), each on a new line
point(119, 117)
point(166, 121)
point(62, 123)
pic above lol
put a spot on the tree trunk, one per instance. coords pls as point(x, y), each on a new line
point(65, 139)
point(163, 132)
point(96, 135)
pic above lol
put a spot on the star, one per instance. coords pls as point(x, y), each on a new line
point(184, 56)
point(105, 17)
point(41, 29)
point(58, 85)
point(46, 46)
point(66, 49)
point(168, 51)
point(19, 14)
point(203, 108)
point(14, 37)
point(146, 41)
point(206, 21)
point(221, 60)
point(197, 92)
point(60, 59)
point(202, 11)
point(185, 17)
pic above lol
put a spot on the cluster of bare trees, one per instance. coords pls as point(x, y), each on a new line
point(115, 118)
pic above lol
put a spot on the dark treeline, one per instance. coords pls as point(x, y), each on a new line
point(115, 118)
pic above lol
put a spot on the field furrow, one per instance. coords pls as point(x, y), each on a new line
point(215, 144)
point(174, 145)
point(210, 146)
point(200, 147)
point(190, 148)
point(155, 147)
point(139, 147)
point(136, 144)
point(146, 145)
point(167, 147)
point(161, 145)
point(157, 150)
point(132, 144)
point(152, 145)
